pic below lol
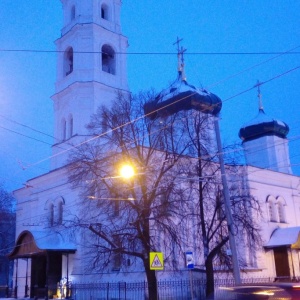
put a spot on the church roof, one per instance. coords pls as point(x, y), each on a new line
point(284, 237)
point(263, 125)
point(181, 95)
point(31, 243)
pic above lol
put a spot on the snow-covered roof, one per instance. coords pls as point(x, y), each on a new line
point(52, 241)
point(263, 125)
point(30, 243)
point(181, 95)
point(284, 237)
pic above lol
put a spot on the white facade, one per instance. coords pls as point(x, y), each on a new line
point(268, 152)
point(279, 196)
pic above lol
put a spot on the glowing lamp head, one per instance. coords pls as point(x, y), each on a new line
point(127, 171)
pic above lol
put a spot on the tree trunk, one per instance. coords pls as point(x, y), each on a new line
point(210, 288)
point(152, 284)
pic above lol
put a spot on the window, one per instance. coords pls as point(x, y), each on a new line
point(51, 214)
point(271, 208)
point(104, 11)
point(117, 254)
point(68, 61)
point(73, 11)
point(108, 59)
point(116, 208)
point(63, 129)
point(220, 206)
point(70, 126)
point(281, 210)
point(60, 213)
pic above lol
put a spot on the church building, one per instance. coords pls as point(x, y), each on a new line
point(91, 71)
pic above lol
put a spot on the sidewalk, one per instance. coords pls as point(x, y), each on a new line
point(15, 298)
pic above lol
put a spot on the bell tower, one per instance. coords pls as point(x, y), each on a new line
point(91, 69)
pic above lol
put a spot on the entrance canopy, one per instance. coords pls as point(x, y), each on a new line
point(285, 237)
point(32, 243)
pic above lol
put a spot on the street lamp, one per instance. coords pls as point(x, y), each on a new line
point(127, 171)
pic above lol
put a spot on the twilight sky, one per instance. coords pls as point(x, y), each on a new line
point(218, 34)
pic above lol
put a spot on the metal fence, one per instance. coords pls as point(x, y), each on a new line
point(167, 289)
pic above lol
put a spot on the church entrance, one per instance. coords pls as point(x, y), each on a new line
point(41, 280)
point(46, 272)
point(38, 276)
point(281, 263)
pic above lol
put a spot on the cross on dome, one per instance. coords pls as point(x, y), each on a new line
point(180, 52)
point(260, 105)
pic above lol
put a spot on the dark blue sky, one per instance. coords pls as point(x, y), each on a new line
point(259, 26)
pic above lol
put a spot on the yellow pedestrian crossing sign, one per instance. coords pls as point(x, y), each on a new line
point(156, 261)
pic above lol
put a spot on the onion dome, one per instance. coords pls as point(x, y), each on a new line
point(182, 96)
point(262, 125)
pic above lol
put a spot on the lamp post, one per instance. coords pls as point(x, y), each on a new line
point(235, 263)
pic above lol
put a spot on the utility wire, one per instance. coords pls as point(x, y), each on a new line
point(155, 53)
point(143, 116)
point(225, 79)
point(26, 126)
point(29, 137)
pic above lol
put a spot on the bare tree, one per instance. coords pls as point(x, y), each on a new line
point(135, 217)
point(209, 201)
point(177, 186)
point(7, 233)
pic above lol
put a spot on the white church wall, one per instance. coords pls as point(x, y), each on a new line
point(266, 183)
point(268, 152)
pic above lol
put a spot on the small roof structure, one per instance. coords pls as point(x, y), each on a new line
point(32, 243)
point(262, 125)
point(182, 96)
point(285, 237)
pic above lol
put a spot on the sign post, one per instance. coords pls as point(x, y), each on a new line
point(189, 258)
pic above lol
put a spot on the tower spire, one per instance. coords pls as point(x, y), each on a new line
point(260, 105)
point(180, 52)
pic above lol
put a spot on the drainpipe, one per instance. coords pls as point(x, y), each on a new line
point(26, 280)
point(67, 289)
point(47, 275)
point(16, 280)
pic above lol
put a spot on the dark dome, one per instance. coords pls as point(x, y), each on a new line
point(182, 96)
point(262, 125)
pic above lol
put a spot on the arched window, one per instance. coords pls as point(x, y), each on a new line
point(104, 11)
point(73, 11)
point(70, 126)
point(117, 256)
point(51, 214)
point(68, 61)
point(281, 209)
point(59, 212)
point(63, 129)
point(108, 59)
point(271, 209)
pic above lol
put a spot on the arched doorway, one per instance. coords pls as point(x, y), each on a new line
point(43, 270)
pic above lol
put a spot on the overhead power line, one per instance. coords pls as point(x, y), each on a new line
point(157, 53)
point(72, 147)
